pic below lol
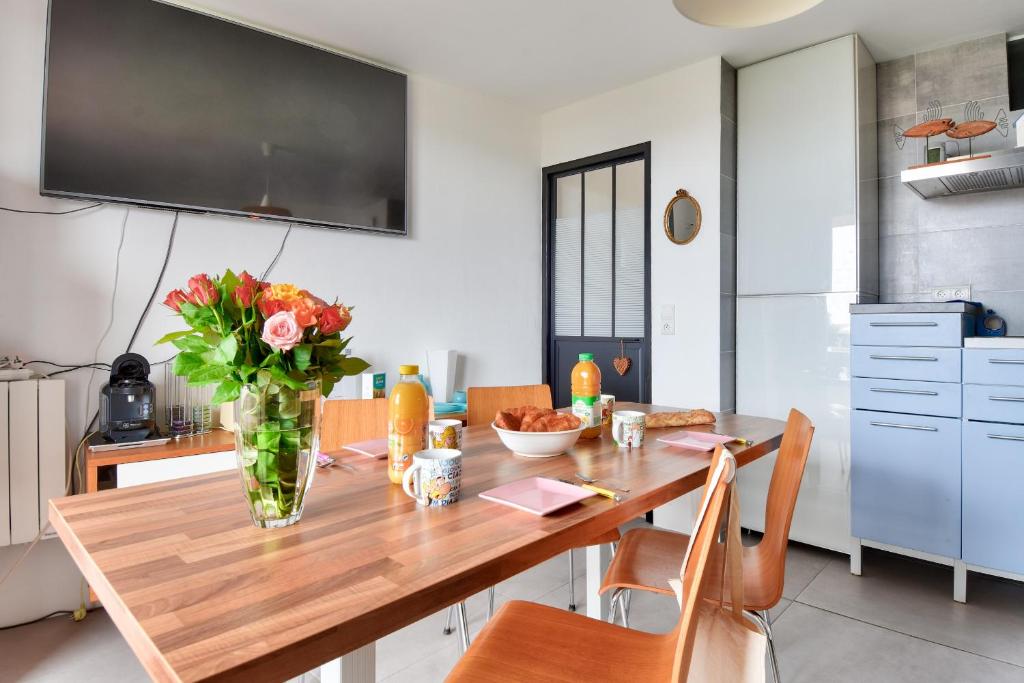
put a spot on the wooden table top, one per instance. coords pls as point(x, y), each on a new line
point(200, 594)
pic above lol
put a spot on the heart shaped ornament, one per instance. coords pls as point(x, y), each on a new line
point(622, 364)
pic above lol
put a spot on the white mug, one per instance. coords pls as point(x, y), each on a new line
point(434, 478)
point(445, 434)
point(628, 428)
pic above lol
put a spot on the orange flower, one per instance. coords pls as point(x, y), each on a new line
point(245, 292)
point(284, 292)
point(334, 319)
point(305, 311)
point(175, 298)
point(204, 292)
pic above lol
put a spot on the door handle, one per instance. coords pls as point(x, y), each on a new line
point(924, 358)
point(1013, 399)
point(914, 392)
point(899, 426)
point(1002, 437)
point(906, 324)
point(1005, 361)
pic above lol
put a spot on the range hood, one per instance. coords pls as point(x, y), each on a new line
point(1003, 169)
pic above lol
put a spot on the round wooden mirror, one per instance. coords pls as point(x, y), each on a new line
point(682, 218)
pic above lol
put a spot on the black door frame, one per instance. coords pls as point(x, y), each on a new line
point(548, 176)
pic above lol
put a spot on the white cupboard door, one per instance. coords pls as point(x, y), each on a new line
point(797, 172)
point(794, 352)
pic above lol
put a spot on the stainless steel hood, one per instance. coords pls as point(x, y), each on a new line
point(1004, 169)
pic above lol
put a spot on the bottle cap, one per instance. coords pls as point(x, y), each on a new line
point(408, 369)
point(586, 356)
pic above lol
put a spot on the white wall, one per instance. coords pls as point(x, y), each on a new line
point(467, 277)
point(679, 113)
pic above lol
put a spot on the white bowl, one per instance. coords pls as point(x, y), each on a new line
point(538, 444)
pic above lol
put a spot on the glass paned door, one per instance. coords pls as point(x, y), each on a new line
point(597, 213)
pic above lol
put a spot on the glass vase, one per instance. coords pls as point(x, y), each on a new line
point(277, 435)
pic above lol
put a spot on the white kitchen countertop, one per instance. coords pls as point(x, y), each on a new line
point(994, 342)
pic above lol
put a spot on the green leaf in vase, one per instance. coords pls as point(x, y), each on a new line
point(208, 374)
point(301, 356)
point(186, 363)
point(353, 366)
point(228, 390)
point(268, 438)
point(192, 343)
point(171, 336)
point(226, 350)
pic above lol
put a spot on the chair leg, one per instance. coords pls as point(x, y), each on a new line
point(448, 621)
point(613, 605)
point(764, 623)
point(624, 606)
point(572, 582)
point(490, 603)
point(463, 624)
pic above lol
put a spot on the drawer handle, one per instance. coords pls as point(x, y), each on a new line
point(1005, 361)
point(899, 426)
point(914, 392)
point(925, 358)
point(1013, 399)
point(1001, 437)
point(910, 324)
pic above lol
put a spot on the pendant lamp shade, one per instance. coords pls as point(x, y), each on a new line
point(741, 13)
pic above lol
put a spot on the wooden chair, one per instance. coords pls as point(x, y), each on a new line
point(530, 642)
point(346, 421)
point(646, 558)
point(484, 402)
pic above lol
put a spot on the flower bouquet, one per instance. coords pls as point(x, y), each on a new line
point(273, 349)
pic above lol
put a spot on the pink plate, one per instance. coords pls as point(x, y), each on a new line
point(697, 441)
point(374, 448)
point(537, 495)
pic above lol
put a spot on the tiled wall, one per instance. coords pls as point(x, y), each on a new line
point(975, 239)
point(728, 244)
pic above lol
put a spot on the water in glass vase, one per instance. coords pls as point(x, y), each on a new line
point(277, 434)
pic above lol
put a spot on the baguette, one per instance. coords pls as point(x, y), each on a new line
point(686, 418)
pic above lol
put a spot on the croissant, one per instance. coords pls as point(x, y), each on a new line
point(686, 418)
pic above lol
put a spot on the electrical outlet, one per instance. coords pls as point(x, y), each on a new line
point(951, 292)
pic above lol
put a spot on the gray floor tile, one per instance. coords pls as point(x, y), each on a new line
point(917, 599)
point(814, 645)
point(58, 649)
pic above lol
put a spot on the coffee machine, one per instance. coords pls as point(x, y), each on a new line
point(128, 401)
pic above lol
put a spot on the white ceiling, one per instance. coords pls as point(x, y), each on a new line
point(545, 53)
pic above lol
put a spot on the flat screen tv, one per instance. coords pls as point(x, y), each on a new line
point(151, 104)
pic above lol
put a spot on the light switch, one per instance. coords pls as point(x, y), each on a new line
point(668, 319)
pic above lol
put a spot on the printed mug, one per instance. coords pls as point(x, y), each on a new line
point(628, 428)
point(434, 478)
point(607, 408)
point(445, 434)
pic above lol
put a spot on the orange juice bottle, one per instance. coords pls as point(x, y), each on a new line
point(408, 412)
point(586, 395)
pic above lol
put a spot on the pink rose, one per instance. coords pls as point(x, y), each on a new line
point(282, 331)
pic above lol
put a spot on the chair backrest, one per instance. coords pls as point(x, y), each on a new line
point(346, 421)
point(782, 493)
point(694, 574)
point(484, 402)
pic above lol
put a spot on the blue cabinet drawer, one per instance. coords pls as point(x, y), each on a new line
point(927, 364)
point(994, 496)
point(905, 481)
point(910, 329)
point(994, 403)
point(994, 366)
point(902, 396)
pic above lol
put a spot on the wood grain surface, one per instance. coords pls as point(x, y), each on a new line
point(201, 594)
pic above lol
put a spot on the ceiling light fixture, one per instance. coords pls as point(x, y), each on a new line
point(741, 13)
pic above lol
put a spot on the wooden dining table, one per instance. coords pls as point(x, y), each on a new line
point(200, 594)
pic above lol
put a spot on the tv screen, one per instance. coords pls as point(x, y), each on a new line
point(151, 104)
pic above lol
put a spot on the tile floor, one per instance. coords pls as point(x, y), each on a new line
point(897, 622)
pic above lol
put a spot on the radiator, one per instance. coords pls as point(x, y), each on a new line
point(33, 456)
